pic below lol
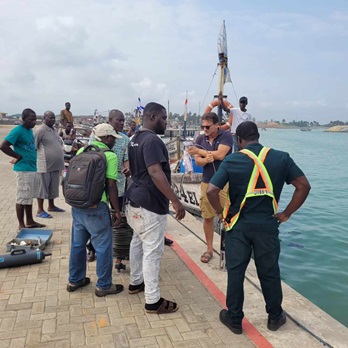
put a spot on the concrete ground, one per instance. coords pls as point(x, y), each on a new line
point(37, 311)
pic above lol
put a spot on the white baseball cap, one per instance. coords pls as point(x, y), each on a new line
point(103, 130)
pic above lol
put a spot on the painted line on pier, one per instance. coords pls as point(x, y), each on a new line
point(250, 330)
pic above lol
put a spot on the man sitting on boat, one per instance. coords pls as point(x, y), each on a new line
point(209, 150)
point(69, 132)
point(237, 116)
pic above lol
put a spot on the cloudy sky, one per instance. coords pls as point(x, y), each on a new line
point(288, 57)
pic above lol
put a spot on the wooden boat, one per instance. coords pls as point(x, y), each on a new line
point(187, 186)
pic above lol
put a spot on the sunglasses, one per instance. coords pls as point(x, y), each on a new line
point(206, 127)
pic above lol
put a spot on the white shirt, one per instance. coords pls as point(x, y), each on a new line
point(239, 116)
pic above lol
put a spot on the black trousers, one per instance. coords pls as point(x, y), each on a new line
point(266, 248)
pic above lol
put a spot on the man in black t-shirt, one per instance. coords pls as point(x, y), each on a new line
point(149, 197)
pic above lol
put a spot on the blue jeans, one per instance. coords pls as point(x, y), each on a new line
point(94, 224)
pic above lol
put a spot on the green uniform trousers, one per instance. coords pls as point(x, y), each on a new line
point(266, 249)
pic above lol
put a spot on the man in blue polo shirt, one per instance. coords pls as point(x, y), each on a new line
point(209, 150)
point(21, 138)
point(256, 176)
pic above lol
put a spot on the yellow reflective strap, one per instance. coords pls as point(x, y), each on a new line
point(261, 168)
point(252, 191)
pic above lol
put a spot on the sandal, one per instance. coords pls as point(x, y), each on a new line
point(71, 287)
point(35, 225)
point(206, 256)
point(44, 215)
point(165, 307)
point(57, 210)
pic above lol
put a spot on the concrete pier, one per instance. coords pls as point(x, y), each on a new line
point(37, 311)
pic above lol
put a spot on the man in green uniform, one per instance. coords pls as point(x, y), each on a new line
point(256, 176)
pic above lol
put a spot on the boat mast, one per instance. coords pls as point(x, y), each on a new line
point(223, 77)
point(185, 117)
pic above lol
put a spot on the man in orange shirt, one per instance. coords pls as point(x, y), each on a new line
point(66, 115)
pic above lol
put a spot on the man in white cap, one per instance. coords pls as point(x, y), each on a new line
point(94, 223)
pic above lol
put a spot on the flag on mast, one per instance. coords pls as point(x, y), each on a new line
point(139, 107)
point(222, 52)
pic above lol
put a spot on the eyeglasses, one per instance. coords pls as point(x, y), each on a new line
point(206, 127)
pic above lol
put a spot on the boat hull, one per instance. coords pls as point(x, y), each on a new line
point(187, 187)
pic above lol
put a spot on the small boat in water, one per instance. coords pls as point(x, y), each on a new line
point(306, 129)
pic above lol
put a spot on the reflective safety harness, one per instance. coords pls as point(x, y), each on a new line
point(252, 191)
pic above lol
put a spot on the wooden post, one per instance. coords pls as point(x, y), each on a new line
point(178, 150)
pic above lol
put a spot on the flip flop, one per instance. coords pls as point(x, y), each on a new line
point(57, 210)
point(36, 225)
point(44, 215)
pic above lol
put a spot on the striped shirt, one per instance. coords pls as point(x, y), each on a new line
point(121, 150)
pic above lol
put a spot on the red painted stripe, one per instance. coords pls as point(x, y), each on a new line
point(250, 330)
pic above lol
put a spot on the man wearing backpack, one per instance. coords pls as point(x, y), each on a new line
point(94, 222)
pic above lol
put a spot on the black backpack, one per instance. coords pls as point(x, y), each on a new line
point(85, 179)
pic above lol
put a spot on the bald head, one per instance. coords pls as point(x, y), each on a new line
point(49, 118)
point(116, 119)
point(115, 113)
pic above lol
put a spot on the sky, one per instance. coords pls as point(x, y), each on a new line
point(288, 57)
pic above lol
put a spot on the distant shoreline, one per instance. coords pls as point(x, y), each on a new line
point(281, 126)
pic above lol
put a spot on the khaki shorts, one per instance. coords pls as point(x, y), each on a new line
point(28, 187)
point(206, 209)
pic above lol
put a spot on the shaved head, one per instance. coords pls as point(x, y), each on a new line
point(115, 113)
point(49, 113)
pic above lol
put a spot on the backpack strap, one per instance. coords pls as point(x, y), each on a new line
point(92, 148)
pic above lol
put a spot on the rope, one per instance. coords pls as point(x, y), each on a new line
point(210, 85)
point(234, 91)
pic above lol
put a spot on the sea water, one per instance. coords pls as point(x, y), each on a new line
point(314, 241)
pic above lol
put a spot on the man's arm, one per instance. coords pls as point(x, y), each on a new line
point(126, 170)
point(221, 100)
point(5, 147)
point(214, 199)
point(205, 158)
point(302, 188)
point(62, 118)
point(160, 180)
point(113, 198)
point(219, 154)
point(37, 138)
